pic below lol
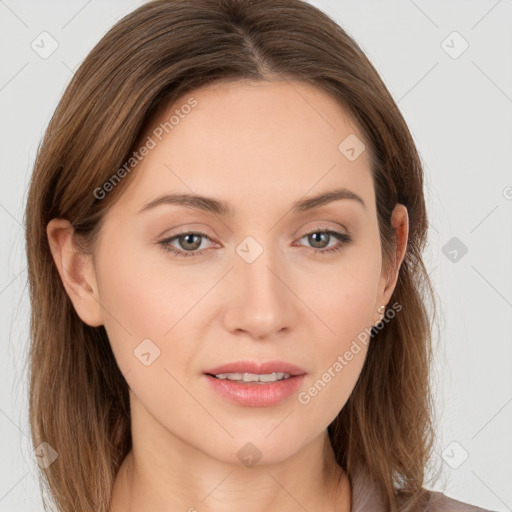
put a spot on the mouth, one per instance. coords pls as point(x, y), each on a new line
point(255, 384)
point(252, 378)
point(269, 371)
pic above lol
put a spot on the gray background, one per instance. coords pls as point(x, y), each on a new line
point(459, 110)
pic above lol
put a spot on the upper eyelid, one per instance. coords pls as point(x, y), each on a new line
point(308, 231)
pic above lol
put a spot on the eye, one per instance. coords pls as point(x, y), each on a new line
point(321, 237)
point(189, 241)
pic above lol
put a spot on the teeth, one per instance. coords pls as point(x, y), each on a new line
point(253, 377)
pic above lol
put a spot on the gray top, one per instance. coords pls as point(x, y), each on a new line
point(366, 498)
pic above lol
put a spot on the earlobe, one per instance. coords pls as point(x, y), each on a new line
point(76, 270)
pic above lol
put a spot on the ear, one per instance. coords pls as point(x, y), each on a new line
point(76, 270)
point(389, 276)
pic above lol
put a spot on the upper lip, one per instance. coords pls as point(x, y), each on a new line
point(257, 368)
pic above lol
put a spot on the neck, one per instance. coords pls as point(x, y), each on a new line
point(176, 476)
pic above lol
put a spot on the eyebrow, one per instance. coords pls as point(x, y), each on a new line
point(219, 207)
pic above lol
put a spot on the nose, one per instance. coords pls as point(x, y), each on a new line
point(261, 303)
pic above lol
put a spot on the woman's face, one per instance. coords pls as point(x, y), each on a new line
point(251, 287)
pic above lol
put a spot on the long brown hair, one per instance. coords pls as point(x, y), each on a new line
point(78, 397)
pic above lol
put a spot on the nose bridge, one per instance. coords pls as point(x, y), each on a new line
point(262, 304)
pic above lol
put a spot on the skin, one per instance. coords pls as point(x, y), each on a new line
point(259, 146)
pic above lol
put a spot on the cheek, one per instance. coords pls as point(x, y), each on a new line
point(339, 359)
point(328, 390)
point(146, 295)
point(343, 302)
point(137, 304)
point(143, 305)
point(342, 296)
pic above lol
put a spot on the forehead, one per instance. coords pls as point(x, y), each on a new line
point(259, 141)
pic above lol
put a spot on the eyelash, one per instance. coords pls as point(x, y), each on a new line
point(342, 237)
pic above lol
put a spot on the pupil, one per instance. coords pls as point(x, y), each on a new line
point(314, 236)
point(194, 245)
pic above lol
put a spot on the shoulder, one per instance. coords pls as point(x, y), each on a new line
point(365, 497)
point(439, 502)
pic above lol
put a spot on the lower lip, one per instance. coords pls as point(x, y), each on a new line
point(256, 395)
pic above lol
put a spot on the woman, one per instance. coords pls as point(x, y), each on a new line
point(229, 304)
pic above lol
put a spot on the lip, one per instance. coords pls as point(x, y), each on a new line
point(252, 394)
point(258, 368)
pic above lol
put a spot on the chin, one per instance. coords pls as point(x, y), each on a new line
point(257, 447)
